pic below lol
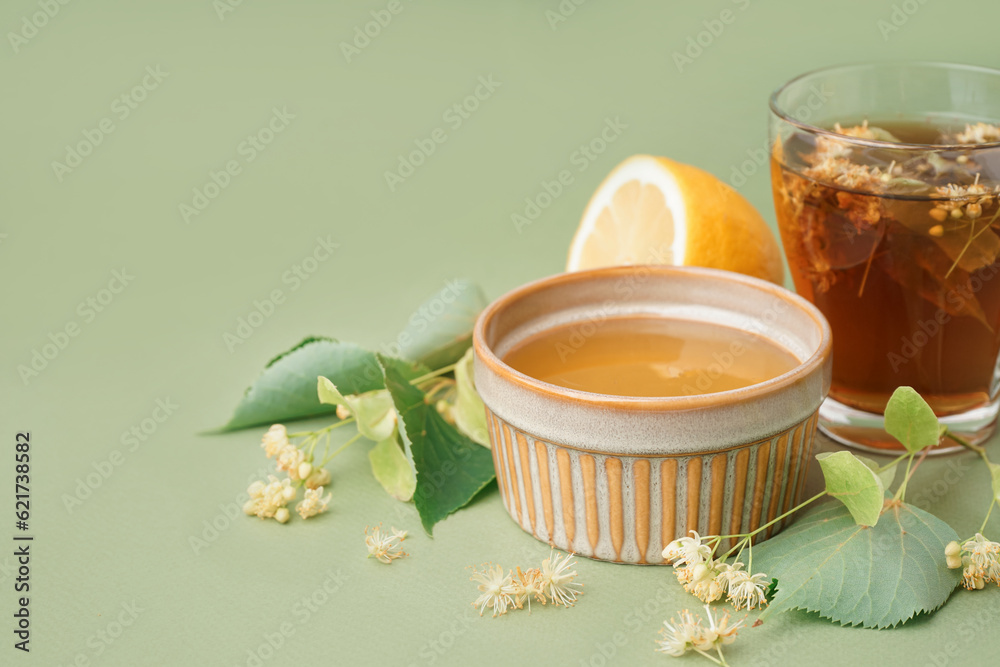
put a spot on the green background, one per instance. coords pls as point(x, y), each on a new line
point(162, 337)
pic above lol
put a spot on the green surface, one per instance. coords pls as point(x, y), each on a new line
point(164, 336)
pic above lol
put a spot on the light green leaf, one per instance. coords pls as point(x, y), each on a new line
point(995, 477)
point(451, 469)
point(877, 577)
point(373, 411)
point(392, 470)
point(887, 476)
point(470, 414)
point(286, 390)
point(910, 420)
point(853, 483)
point(440, 331)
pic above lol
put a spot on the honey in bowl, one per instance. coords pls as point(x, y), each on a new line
point(649, 356)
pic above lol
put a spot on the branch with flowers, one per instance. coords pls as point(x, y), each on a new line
point(417, 409)
point(886, 560)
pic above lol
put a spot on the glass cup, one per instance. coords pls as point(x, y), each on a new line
point(885, 181)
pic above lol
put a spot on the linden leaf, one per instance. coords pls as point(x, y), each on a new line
point(391, 469)
point(451, 469)
point(470, 414)
point(910, 420)
point(373, 411)
point(876, 576)
point(995, 477)
point(887, 476)
point(853, 483)
point(440, 331)
point(286, 390)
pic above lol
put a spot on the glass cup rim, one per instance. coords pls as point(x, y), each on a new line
point(787, 117)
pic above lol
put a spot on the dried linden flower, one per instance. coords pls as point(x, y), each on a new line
point(313, 503)
point(496, 590)
point(266, 500)
point(384, 546)
point(688, 634)
point(980, 133)
point(557, 580)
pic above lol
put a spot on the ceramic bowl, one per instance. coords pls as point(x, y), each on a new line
point(617, 478)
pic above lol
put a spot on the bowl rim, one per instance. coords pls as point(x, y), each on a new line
point(651, 403)
point(785, 115)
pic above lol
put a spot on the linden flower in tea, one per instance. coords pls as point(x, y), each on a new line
point(893, 231)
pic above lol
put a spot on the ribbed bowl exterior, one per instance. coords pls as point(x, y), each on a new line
point(625, 509)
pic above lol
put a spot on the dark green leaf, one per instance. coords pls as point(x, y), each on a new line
point(877, 577)
point(451, 468)
point(440, 331)
point(286, 390)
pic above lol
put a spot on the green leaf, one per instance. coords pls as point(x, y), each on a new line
point(853, 483)
point(877, 577)
point(470, 414)
point(887, 476)
point(910, 420)
point(286, 390)
point(451, 469)
point(373, 411)
point(392, 470)
point(440, 331)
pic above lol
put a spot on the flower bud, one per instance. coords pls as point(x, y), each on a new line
point(956, 213)
point(305, 468)
point(250, 507)
point(319, 477)
point(256, 489)
point(953, 562)
point(953, 549)
point(282, 515)
point(288, 493)
point(973, 211)
point(939, 214)
point(343, 412)
point(700, 572)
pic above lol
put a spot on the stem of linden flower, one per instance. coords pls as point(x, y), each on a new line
point(990, 510)
point(340, 449)
point(774, 520)
point(433, 374)
point(325, 429)
point(893, 462)
point(722, 662)
point(906, 478)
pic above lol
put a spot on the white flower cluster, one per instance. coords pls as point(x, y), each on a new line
point(709, 579)
point(269, 500)
point(552, 582)
point(688, 633)
point(979, 559)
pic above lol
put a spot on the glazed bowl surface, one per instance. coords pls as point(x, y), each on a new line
point(617, 478)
